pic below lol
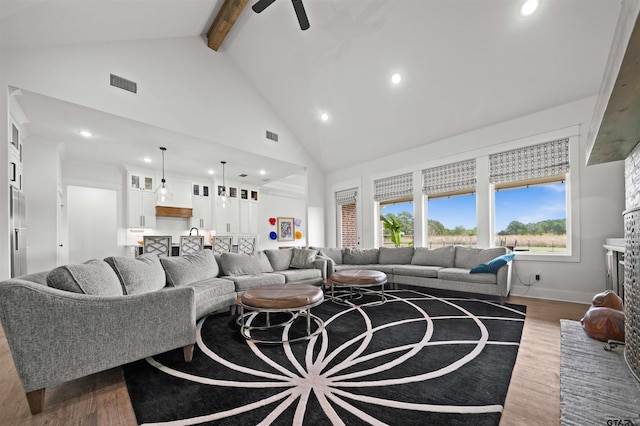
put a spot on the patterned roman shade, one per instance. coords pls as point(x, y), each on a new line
point(394, 187)
point(348, 196)
point(531, 162)
point(449, 178)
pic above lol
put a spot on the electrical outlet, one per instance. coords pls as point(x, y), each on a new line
point(537, 276)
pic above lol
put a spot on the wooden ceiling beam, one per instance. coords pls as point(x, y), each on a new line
point(229, 13)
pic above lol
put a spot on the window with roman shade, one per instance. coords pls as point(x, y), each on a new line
point(542, 163)
point(347, 196)
point(450, 179)
point(392, 188)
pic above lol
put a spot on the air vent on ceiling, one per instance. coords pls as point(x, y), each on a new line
point(124, 84)
point(273, 136)
point(243, 175)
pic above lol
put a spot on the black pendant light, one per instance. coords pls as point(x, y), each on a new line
point(162, 193)
point(223, 198)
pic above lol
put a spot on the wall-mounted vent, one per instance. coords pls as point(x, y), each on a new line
point(273, 136)
point(124, 84)
point(243, 175)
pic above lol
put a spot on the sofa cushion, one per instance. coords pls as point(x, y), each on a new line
point(441, 256)
point(239, 264)
point(334, 254)
point(417, 271)
point(460, 274)
point(467, 257)
point(493, 265)
point(279, 259)
point(190, 268)
point(244, 282)
point(387, 269)
point(303, 258)
point(143, 274)
point(213, 294)
point(94, 277)
point(263, 260)
point(351, 256)
point(396, 255)
point(294, 275)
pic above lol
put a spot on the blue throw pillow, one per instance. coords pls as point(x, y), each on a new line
point(493, 266)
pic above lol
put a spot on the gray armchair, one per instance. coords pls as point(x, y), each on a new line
point(56, 336)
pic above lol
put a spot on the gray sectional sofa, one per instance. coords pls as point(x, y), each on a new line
point(76, 320)
point(443, 268)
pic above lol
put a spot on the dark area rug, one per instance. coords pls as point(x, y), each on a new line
point(418, 359)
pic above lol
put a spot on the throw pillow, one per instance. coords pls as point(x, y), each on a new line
point(395, 256)
point(279, 259)
point(239, 264)
point(95, 277)
point(360, 256)
point(334, 254)
point(263, 260)
point(143, 274)
point(190, 268)
point(303, 258)
point(441, 256)
point(494, 265)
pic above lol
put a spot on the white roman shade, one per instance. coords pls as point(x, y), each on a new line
point(394, 187)
point(348, 196)
point(451, 177)
point(531, 162)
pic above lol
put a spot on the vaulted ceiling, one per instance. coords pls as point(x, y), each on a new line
point(466, 64)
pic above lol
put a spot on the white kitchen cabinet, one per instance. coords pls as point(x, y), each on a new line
point(248, 220)
point(201, 212)
point(141, 207)
point(141, 181)
point(228, 219)
point(201, 189)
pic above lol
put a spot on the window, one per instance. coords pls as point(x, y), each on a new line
point(399, 221)
point(530, 199)
point(532, 216)
point(452, 220)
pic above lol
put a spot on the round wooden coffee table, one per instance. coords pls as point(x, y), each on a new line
point(294, 299)
point(350, 282)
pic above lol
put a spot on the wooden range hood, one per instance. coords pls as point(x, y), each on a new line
point(182, 212)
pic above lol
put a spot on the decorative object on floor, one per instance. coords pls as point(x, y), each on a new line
point(419, 358)
point(596, 386)
point(273, 235)
point(272, 220)
point(223, 198)
point(162, 193)
point(261, 5)
point(286, 229)
point(605, 318)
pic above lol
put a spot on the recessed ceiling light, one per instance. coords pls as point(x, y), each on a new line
point(211, 172)
point(262, 172)
point(147, 159)
point(529, 7)
point(85, 133)
point(324, 116)
point(396, 78)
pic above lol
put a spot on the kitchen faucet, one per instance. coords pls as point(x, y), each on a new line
point(191, 230)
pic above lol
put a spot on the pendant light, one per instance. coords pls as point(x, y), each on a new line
point(162, 193)
point(223, 198)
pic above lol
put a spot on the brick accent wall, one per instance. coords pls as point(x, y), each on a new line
point(349, 236)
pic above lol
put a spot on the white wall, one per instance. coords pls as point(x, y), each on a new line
point(92, 218)
point(280, 206)
point(600, 197)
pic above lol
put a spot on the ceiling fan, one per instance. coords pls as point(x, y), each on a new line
point(297, 6)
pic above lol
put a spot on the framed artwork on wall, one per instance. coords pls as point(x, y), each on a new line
point(286, 229)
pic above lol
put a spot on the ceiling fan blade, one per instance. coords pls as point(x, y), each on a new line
point(302, 15)
point(261, 5)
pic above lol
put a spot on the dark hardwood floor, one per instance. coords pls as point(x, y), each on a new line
point(102, 399)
